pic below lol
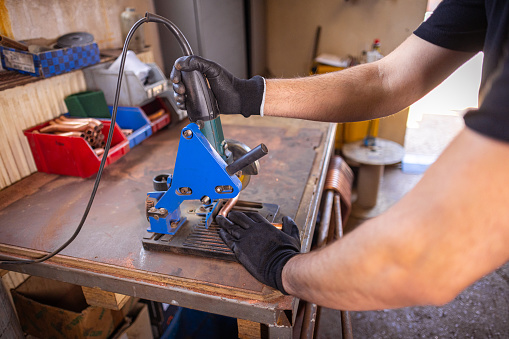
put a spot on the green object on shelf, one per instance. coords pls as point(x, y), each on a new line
point(90, 104)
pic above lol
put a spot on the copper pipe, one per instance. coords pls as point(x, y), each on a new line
point(339, 177)
point(228, 206)
point(156, 115)
point(5, 41)
point(94, 123)
point(66, 128)
point(99, 151)
point(89, 120)
point(71, 134)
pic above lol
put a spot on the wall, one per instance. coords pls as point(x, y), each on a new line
point(29, 19)
point(348, 27)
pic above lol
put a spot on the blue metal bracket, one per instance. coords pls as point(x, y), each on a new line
point(199, 175)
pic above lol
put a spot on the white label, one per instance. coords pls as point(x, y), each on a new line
point(21, 61)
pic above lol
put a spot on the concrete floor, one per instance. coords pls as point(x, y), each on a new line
point(481, 311)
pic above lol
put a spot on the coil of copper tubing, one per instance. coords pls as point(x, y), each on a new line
point(338, 170)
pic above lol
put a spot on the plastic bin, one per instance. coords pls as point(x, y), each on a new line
point(132, 92)
point(133, 118)
point(88, 104)
point(72, 155)
point(153, 107)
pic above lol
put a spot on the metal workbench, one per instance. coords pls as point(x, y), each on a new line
point(40, 212)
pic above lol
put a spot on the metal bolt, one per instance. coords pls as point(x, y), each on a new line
point(219, 189)
point(188, 134)
point(185, 190)
point(205, 200)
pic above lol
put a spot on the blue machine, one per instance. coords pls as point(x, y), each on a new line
point(200, 174)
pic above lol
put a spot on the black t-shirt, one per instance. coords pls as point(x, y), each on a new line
point(472, 26)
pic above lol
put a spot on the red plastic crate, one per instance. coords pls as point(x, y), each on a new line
point(152, 107)
point(72, 155)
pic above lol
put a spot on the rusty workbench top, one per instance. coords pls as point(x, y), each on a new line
point(40, 213)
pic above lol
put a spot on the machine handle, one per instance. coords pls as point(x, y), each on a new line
point(200, 101)
point(247, 159)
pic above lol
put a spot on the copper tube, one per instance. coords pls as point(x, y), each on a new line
point(339, 176)
point(94, 123)
point(5, 41)
point(228, 206)
point(89, 120)
point(64, 128)
point(156, 115)
point(99, 151)
point(71, 134)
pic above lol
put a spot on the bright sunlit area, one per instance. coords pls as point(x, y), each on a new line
point(435, 120)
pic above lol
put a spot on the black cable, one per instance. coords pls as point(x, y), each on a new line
point(103, 161)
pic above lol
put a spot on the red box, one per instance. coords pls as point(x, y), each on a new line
point(72, 155)
point(152, 107)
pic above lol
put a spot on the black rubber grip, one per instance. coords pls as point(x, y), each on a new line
point(200, 101)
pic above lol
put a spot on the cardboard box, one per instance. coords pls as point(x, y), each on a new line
point(50, 63)
point(53, 309)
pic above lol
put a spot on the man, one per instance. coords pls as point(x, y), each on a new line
point(450, 230)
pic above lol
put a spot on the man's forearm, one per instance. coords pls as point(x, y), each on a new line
point(366, 91)
point(446, 233)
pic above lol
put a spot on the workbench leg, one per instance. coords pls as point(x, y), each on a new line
point(280, 332)
point(9, 324)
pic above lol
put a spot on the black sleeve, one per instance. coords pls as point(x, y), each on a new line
point(492, 117)
point(459, 25)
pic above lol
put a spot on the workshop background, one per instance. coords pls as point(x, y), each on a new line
point(278, 39)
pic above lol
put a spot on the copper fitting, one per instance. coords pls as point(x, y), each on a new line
point(99, 151)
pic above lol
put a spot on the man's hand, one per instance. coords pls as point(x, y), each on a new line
point(259, 246)
point(233, 95)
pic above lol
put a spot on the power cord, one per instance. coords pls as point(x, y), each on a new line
point(103, 161)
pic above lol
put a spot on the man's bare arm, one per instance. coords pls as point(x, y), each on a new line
point(366, 91)
point(445, 234)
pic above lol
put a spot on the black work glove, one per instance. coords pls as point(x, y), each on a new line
point(233, 95)
point(259, 246)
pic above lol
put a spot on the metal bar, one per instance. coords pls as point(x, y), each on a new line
point(311, 310)
point(346, 322)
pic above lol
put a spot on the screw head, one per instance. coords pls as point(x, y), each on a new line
point(188, 134)
point(219, 189)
